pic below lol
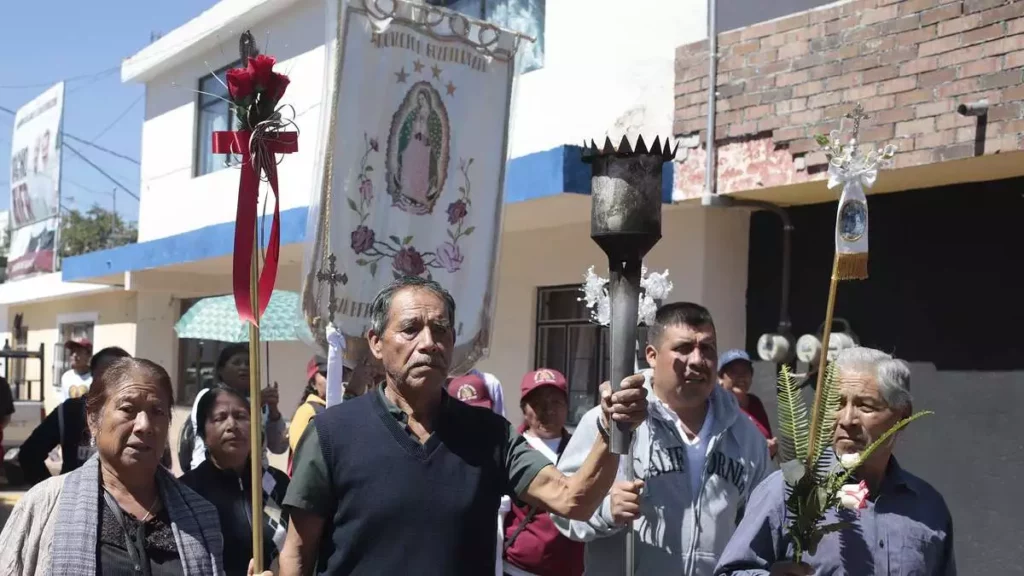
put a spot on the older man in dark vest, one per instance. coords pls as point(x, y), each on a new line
point(407, 480)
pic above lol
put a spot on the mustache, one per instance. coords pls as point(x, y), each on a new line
point(428, 362)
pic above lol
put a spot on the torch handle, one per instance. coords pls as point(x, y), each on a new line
point(624, 296)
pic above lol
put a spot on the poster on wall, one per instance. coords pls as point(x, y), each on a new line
point(33, 248)
point(35, 183)
point(417, 152)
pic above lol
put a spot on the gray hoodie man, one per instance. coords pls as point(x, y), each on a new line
point(678, 531)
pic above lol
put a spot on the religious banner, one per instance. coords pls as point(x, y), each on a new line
point(414, 167)
point(35, 184)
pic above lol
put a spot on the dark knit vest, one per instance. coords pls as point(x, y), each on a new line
point(407, 508)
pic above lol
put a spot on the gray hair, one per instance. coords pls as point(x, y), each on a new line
point(892, 375)
point(380, 309)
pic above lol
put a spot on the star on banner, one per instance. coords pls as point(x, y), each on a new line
point(450, 88)
point(417, 66)
point(436, 71)
point(402, 75)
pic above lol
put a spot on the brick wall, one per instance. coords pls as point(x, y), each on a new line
point(908, 62)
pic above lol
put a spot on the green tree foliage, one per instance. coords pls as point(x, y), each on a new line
point(96, 229)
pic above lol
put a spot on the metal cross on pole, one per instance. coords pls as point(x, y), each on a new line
point(332, 277)
point(857, 115)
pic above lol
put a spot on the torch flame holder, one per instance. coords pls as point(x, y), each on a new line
point(625, 221)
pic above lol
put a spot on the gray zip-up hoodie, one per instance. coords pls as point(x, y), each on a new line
point(677, 532)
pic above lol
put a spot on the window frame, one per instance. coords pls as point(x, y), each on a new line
point(603, 344)
point(200, 347)
point(199, 108)
point(482, 15)
point(67, 324)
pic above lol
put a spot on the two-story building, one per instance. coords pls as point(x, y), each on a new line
point(942, 80)
point(132, 296)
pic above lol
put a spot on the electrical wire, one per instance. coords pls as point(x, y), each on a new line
point(82, 141)
point(119, 116)
point(89, 83)
point(100, 148)
point(70, 79)
point(101, 171)
point(92, 75)
point(82, 187)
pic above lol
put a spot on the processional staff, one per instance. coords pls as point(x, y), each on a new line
point(625, 221)
point(335, 340)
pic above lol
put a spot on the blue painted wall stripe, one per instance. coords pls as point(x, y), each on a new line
point(529, 177)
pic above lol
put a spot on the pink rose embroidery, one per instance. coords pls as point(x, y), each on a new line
point(456, 212)
point(362, 239)
point(408, 261)
point(449, 256)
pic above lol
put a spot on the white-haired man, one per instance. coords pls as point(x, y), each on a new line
point(905, 528)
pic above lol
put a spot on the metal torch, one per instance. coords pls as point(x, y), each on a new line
point(625, 221)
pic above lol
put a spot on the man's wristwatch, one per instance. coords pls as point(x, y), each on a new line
point(603, 429)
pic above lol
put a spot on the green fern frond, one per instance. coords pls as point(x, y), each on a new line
point(828, 409)
point(881, 440)
point(794, 427)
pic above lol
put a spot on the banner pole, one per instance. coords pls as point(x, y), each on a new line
point(255, 410)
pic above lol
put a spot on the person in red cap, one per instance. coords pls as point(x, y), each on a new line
point(532, 544)
point(471, 389)
point(314, 399)
point(75, 382)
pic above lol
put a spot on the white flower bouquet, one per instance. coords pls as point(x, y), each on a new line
point(653, 289)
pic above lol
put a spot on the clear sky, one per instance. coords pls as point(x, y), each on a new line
point(45, 41)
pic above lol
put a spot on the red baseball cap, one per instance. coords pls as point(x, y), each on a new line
point(472, 390)
point(543, 377)
point(316, 365)
point(78, 343)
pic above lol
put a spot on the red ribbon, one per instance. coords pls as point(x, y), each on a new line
point(245, 217)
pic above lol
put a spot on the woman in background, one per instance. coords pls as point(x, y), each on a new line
point(232, 369)
point(224, 479)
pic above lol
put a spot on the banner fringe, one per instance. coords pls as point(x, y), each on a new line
point(852, 266)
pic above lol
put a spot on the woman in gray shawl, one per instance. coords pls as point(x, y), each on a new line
point(121, 512)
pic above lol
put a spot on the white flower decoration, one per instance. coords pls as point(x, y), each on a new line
point(653, 288)
point(793, 471)
point(853, 496)
point(849, 460)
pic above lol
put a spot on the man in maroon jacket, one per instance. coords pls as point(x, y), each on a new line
point(533, 546)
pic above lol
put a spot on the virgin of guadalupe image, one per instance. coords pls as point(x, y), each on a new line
point(418, 150)
point(853, 220)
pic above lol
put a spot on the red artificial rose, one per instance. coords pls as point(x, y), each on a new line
point(239, 84)
point(278, 84)
point(261, 68)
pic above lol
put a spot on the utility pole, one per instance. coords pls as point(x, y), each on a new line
point(113, 224)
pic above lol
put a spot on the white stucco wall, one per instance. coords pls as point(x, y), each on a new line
point(608, 67)
point(704, 251)
point(173, 201)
